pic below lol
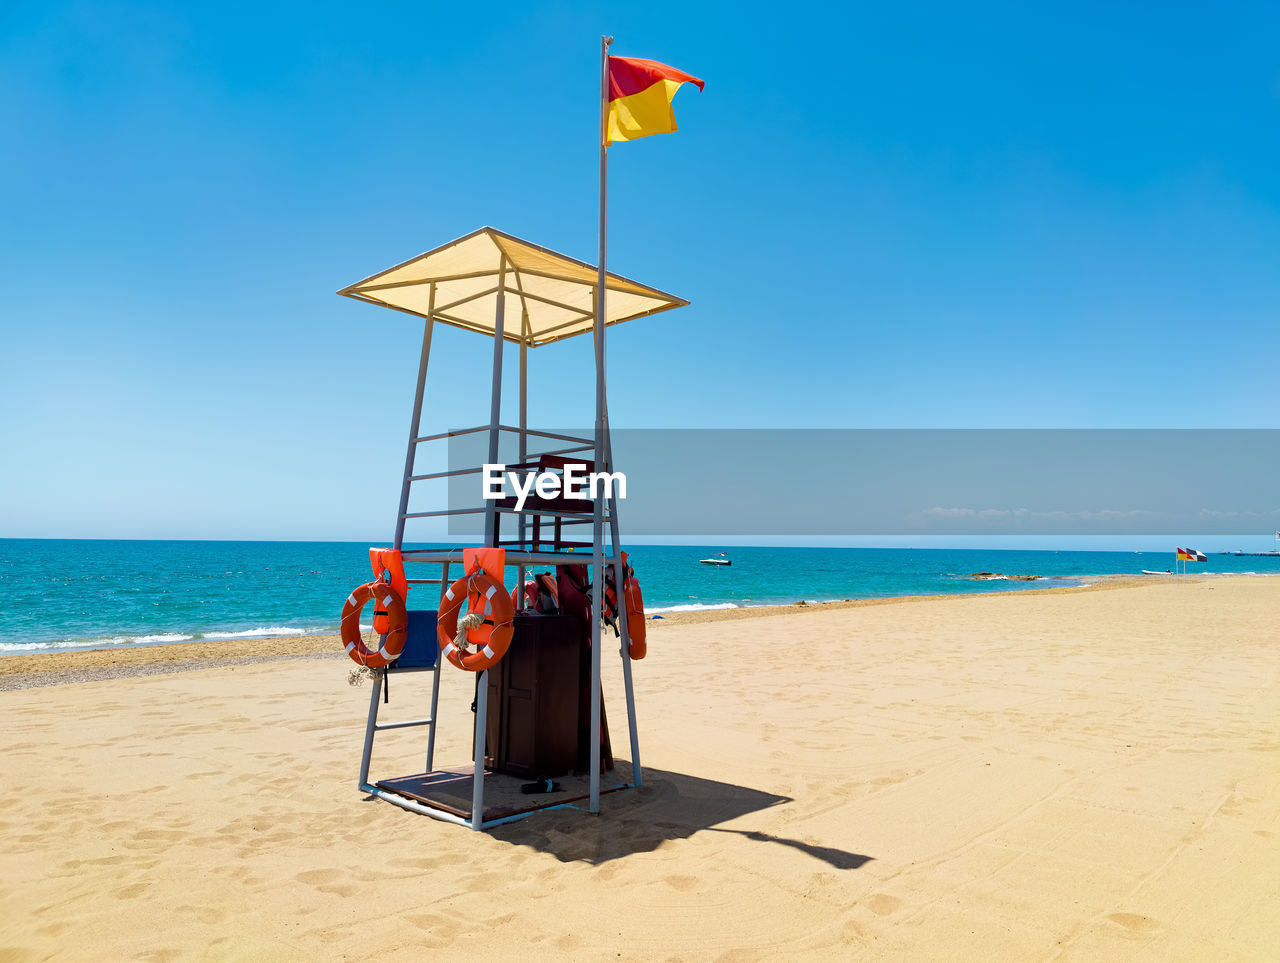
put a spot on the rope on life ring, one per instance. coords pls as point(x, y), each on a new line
point(391, 643)
point(489, 635)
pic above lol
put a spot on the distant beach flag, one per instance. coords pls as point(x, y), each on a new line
point(640, 96)
point(1191, 555)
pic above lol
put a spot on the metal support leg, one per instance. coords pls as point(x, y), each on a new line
point(431, 729)
point(598, 331)
point(637, 772)
point(523, 521)
point(597, 562)
point(477, 784)
point(370, 727)
point(596, 641)
point(416, 420)
point(495, 401)
point(637, 776)
point(435, 683)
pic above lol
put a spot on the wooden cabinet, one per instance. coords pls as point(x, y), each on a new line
point(534, 719)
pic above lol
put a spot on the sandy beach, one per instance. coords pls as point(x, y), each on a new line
point(1079, 774)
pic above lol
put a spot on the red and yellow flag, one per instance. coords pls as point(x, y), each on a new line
point(640, 95)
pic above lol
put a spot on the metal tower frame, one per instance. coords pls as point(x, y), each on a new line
point(457, 284)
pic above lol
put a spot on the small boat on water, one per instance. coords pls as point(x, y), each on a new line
point(1147, 571)
point(719, 560)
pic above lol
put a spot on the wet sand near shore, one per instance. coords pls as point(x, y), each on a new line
point(83, 665)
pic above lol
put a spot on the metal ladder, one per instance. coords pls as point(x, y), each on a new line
point(373, 726)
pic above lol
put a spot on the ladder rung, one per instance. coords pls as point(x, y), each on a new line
point(536, 433)
point(555, 512)
point(445, 474)
point(455, 433)
point(381, 726)
point(528, 432)
point(454, 511)
point(522, 556)
point(546, 512)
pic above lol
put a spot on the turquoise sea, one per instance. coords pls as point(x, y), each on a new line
point(57, 594)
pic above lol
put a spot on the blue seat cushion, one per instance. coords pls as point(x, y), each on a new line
point(420, 647)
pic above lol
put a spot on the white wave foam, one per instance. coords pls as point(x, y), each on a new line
point(159, 638)
point(122, 640)
point(692, 607)
point(272, 631)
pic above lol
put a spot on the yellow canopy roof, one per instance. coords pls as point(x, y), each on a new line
point(548, 295)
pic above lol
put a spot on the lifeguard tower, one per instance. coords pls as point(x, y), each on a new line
point(516, 292)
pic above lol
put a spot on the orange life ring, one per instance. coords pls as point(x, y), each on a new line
point(392, 641)
point(487, 598)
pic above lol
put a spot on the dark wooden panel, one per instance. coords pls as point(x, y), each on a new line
point(534, 726)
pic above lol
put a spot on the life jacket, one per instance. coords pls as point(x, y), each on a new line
point(390, 562)
point(575, 598)
point(611, 593)
point(541, 595)
point(575, 591)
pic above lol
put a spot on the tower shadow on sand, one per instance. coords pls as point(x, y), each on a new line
point(670, 806)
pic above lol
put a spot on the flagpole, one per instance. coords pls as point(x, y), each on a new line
point(597, 567)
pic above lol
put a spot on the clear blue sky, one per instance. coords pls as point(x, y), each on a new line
point(987, 215)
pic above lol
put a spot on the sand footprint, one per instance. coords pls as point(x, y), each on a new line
point(882, 904)
point(205, 914)
point(1135, 923)
point(317, 877)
